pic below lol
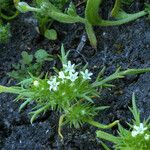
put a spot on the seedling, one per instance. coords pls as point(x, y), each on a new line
point(7, 12)
point(4, 33)
point(137, 137)
point(92, 17)
point(70, 91)
point(30, 64)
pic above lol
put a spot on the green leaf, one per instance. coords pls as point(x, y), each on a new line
point(102, 108)
point(134, 110)
point(120, 74)
point(37, 112)
point(26, 58)
point(24, 7)
point(117, 11)
point(91, 35)
point(71, 10)
point(14, 90)
point(51, 34)
point(24, 104)
point(106, 136)
point(41, 55)
point(127, 2)
point(105, 146)
point(14, 74)
point(64, 55)
point(87, 98)
point(147, 9)
point(4, 33)
point(61, 17)
point(92, 11)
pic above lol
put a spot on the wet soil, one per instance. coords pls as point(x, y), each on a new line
point(127, 46)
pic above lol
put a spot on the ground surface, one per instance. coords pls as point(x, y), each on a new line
point(127, 46)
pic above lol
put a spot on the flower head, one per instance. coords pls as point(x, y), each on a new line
point(69, 67)
point(53, 84)
point(61, 75)
point(86, 75)
point(72, 76)
point(146, 136)
point(36, 83)
point(138, 130)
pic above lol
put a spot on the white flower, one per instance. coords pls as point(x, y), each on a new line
point(146, 136)
point(69, 67)
point(53, 84)
point(72, 76)
point(61, 75)
point(86, 75)
point(134, 133)
point(36, 83)
point(138, 130)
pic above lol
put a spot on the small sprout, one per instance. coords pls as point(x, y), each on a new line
point(135, 138)
point(30, 64)
point(4, 33)
point(50, 34)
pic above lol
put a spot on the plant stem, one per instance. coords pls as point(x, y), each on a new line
point(4, 89)
point(121, 74)
point(123, 21)
point(107, 136)
point(60, 125)
point(9, 17)
point(101, 126)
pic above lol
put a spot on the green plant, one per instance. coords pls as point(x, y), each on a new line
point(27, 64)
point(45, 21)
point(68, 91)
point(92, 17)
point(137, 137)
point(4, 33)
point(7, 12)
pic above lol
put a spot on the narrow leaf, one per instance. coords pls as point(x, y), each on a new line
point(92, 11)
point(106, 136)
point(23, 105)
point(91, 35)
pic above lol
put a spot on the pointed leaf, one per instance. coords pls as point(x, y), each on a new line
point(92, 11)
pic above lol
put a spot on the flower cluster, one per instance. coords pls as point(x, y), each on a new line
point(140, 130)
point(68, 73)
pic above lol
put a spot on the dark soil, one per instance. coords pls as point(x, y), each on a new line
point(127, 46)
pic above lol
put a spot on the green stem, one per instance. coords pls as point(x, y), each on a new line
point(101, 126)
point(121, 74)
point(4, 89)
point(91, 34)
point(16, 90)
point(60, 125)
point(9, 17)
point(107, 136)
point(123, 21)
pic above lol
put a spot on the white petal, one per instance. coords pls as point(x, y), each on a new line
point(36, 83)
point(136, 127)
point(146, 137)
point(134, 133)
